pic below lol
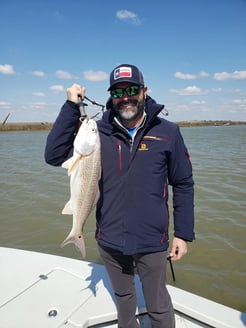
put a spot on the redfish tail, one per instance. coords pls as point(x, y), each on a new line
point(77, 241)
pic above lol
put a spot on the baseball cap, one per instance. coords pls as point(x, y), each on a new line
point(126, 73)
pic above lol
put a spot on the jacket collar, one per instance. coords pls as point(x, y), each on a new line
point(152, 110)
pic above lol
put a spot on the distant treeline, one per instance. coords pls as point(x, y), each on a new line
point(47, 126)
point(210, 123)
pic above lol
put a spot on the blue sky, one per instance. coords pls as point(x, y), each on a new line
point(192, 54)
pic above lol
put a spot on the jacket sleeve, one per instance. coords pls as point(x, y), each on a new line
point(59, 144)
point(181, 179)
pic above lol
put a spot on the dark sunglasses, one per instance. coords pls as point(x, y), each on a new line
point(131, 91)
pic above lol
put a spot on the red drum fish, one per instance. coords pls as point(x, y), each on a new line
point(84, 169)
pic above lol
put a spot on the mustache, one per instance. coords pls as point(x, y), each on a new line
point(133, 102)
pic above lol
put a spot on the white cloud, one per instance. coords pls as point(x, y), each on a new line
point(189, 91)
point(95, 76)
point(203, 74)
point(7, 69)
point(38, 73)
point(38, 94)
point(216, 89)
point(221, 76)
point(129, 16)
point(239, 75)
point(239, 105)
point(236, 75)
point(183, 76)
point(198, 102)
point(182, 107)
point(240, 102)
point(240, 92)
point(57, 88)
point(65, 75)
point(38, 105)
point(4, 105)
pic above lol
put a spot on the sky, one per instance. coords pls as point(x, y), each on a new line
point(192, 54)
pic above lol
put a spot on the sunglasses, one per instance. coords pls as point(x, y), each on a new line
point(131, 91)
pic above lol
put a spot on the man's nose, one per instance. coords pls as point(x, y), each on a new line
point(125, 95)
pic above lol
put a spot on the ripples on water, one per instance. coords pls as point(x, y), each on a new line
point(34, 193)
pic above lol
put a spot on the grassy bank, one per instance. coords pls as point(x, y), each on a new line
point(47, 126)
point(26, 126)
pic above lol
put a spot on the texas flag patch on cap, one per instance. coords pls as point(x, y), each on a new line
point(122, 72)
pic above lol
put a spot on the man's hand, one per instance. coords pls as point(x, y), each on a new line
point(74, 92)
point(179, 248)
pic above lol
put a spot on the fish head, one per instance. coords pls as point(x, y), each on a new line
point(87, 138)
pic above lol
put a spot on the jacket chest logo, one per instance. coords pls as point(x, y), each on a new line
point(143, 147)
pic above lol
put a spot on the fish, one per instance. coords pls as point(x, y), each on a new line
point(84, 169)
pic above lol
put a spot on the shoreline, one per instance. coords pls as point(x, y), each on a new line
point(46, 126)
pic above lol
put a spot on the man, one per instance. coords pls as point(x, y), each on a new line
point(141, 154)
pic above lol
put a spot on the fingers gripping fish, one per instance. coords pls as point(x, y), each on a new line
point(84, 169)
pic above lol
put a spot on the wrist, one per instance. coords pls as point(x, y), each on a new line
point(73, 104)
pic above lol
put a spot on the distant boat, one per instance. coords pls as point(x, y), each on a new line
point(47, 291)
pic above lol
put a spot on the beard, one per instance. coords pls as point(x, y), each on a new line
point(129, 110)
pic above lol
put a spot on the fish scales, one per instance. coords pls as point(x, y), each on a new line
point(84, 169)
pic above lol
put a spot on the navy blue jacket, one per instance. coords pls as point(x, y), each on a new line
point(132, 212)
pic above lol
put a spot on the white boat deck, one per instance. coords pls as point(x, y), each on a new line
point(47, 291)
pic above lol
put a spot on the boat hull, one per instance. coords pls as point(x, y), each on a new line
point(42, 290)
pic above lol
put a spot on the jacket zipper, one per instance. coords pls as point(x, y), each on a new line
point(119, 155)
point(167, 215)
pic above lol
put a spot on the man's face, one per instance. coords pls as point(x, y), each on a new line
point(128, 100)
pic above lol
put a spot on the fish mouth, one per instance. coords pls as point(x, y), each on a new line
point(84, 118)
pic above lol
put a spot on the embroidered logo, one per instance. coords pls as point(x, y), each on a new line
point(122, 72)
point(143, 146)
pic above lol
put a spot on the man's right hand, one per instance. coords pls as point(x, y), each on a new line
point(74, 92)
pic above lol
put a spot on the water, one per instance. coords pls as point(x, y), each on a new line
point(33, 193)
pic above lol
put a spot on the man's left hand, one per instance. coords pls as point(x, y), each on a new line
point(179, 248)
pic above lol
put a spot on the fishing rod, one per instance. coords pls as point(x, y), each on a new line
point(169, 258)
point(82, 106)
point(95, 103)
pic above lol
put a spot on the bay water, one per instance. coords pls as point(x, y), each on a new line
point(33, 194)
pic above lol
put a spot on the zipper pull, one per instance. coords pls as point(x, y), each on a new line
point(131, 144)
point(119, 155)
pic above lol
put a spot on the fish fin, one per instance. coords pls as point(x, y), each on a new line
point(74, 164)
point(78, 241)
point(67, 163)
point(67, 210)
